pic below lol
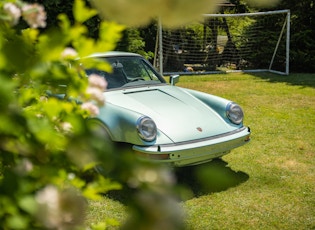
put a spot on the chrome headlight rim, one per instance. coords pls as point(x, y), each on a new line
point(146, 128)
point(235, 113)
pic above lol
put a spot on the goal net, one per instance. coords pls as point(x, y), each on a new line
point(249, 42)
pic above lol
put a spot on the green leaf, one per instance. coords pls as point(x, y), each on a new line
point(28, 204)
point(64, 22)
point(17, 222)
point(81, 13)
point(17, 49)
point(110, 34)
point(100, 186)
point(47, 41)
point(99, 226)
point(31, 35)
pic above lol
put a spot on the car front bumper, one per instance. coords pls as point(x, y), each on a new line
point(196, 151)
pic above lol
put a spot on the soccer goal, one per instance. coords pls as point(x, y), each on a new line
point(248, 42)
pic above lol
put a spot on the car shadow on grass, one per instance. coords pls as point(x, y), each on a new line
point(193, 181)
point(211, 177)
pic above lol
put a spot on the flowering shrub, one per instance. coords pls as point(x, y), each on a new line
point(42, 167)
point(47, 149)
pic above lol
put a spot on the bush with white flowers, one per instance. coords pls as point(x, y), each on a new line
point(39, 132)
point(47, 150)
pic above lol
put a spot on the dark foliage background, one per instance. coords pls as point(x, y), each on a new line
point(143, 40)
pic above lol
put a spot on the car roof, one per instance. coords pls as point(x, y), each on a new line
point(115, 54)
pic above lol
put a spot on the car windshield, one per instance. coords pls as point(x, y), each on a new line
point(128, 72)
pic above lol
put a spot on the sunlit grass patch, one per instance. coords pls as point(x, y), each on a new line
point(107, 211)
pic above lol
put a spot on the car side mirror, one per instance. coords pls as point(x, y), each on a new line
point(174, 79)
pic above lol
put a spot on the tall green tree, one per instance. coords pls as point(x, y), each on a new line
point(302, 50)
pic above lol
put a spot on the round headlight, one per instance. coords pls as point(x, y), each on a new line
point(146, 128)
point(235, 113)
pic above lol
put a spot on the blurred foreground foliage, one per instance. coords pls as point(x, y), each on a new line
point(47, 151)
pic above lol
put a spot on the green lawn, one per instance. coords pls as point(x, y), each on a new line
point(266, 184)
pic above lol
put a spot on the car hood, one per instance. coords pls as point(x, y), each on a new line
point(177, 114)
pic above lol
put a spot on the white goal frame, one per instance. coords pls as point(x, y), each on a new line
point(284, 34)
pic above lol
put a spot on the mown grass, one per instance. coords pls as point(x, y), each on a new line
point(266, 184)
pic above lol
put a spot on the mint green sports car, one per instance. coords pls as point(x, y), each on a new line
point(162, 122)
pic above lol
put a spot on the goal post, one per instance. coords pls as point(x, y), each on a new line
point(247, 42)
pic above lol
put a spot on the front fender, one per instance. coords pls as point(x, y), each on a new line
point(218, 104)
point(121, 125)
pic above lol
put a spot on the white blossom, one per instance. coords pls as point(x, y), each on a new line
point(97, 81)
point(96, 94)
point(155, 177)
point(69, 53)
point(97, 85)
point(60, 209)
point(66, 127)
point(24, 167)
point(91, 108)
point(34, 15)
point(47, 200)
point(13, 12)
